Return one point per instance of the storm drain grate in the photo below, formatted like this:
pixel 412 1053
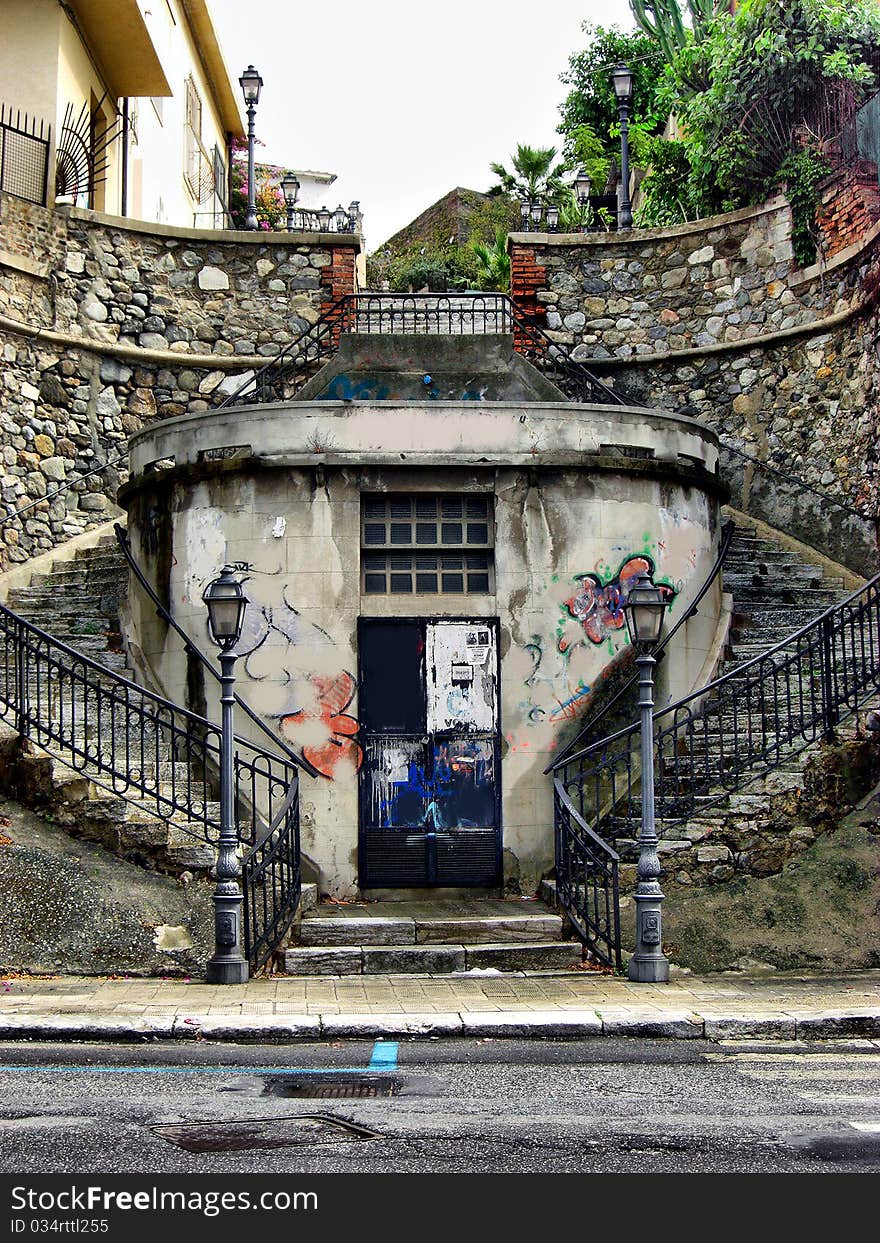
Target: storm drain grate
pixel 239 1134
pixel 333 1087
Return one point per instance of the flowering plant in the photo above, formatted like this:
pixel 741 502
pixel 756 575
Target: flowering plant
pixel 268 199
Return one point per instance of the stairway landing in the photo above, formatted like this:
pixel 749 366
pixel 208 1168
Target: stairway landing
pixel 432 936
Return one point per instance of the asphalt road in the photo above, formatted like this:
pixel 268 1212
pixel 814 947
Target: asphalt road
pixel 458 1106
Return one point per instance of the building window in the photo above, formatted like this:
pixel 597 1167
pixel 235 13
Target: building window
pixel 197 168
pixel 428 545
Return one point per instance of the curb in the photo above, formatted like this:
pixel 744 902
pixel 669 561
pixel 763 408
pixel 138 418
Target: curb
pixel 568 1025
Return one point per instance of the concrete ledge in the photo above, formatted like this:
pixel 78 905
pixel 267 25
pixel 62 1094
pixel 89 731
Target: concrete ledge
pixel 573 1024
pixel 361 1026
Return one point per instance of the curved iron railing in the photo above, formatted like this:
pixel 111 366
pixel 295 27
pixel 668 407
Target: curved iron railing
pixel 631 684
pixel 739 727
pixel 474 314
pixel 191 649
pixel 587 884
pixel 143 748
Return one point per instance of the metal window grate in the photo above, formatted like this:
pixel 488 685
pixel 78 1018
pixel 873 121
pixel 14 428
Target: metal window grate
pixel 420 528
pixel 24 156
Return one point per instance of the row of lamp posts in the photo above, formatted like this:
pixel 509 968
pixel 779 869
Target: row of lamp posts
pixel 532 211
pixel 346 221
pixel 644 609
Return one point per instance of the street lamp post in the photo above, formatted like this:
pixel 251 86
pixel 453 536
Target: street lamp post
pixel 622 80
pixel 251 83
pixel 582 186
pixel 644 610
pixel 290 190
pixel 226 608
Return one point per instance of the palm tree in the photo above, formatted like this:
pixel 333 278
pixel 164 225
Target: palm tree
pixel 534 175
pixel 494 263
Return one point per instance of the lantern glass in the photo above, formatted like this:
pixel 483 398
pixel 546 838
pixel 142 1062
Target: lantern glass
pixel 251 84
pixel 552 217
pixel 644 611
pixel 524 209
pixel 290 188
pixel 226 603
pixel 536 212
pixel 622 80
pixel 341 218
pixel 582 185
pixel 324 219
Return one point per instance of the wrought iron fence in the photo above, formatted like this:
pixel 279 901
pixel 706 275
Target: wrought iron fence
pixel 474 314
pixel 24 155
pixel 143 748
pixel 738 727
pixel 587 880
pixel 272 883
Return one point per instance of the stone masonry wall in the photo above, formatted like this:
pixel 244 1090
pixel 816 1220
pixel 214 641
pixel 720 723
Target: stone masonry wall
pixel 712 320
pixel 106 325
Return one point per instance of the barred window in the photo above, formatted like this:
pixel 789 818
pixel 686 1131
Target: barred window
pixel 425 544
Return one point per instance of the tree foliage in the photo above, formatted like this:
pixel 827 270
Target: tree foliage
pixel 589 114
pixel 775 79
pixel 534 174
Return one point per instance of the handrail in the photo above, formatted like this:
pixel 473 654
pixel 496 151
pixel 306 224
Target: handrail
pixel 797 482
pixel 260 382
pixel 561 357
pixel 50 677
pixel 703 692
pixel 587 879
pixel 727 534
pixel 190 648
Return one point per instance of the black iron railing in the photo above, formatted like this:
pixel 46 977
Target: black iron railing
pixel 24 155
pixel 272 883
pixel 737 728
pixel 586 880
pixel 475 314
pixel 143 748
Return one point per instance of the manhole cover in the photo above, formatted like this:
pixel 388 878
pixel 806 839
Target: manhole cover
pixel 335 1087
pixel 238 1135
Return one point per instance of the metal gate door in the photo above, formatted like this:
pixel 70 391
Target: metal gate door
pixel 429 782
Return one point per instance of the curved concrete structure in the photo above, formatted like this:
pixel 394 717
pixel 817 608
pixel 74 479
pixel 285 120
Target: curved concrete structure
pixel 576 497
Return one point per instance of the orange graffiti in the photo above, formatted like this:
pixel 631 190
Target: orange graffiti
pixel 334 693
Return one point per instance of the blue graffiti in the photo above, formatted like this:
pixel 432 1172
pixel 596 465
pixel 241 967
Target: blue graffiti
pixel 341 388
pixel 460 793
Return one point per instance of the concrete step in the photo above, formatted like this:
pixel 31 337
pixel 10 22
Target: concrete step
pixel 430 959
pixel 323 929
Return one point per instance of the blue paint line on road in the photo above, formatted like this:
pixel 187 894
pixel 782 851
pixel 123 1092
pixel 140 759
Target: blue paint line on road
pixel 384 1055
pixel 205 1070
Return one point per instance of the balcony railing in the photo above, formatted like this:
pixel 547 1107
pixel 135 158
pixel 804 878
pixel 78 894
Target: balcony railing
pixel 24 155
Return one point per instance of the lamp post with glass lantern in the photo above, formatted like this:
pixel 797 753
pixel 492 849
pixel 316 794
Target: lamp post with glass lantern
pixel 290 190
pixel 227 603
pixel 622 81
pixel 582 186
pixel 644 611
pixel 251 83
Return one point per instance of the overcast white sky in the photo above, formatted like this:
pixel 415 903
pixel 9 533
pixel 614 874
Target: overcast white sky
pixel 405 101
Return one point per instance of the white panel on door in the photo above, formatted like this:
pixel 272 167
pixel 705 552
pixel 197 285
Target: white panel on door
pixel 462 677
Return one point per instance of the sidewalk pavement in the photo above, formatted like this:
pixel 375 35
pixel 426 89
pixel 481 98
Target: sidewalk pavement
pixel 785 1006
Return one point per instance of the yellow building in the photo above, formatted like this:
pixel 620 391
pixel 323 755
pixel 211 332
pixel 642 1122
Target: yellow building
pixel 124 106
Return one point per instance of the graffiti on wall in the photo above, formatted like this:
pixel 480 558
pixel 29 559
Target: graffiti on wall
pixel 308 703
pixel 448 785
pixel 590 616
pixel 598 607
pixel 344 387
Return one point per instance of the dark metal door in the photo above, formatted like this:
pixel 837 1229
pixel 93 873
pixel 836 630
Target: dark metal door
pixel 429 782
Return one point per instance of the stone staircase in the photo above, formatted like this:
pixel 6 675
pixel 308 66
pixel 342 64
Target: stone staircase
pixel 77 601
pixel 756 830
pixel 432 936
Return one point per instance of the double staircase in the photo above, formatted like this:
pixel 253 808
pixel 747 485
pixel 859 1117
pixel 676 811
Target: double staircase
pixel 150 820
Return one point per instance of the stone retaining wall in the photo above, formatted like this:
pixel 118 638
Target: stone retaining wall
pixel 712 320
pixel 108 324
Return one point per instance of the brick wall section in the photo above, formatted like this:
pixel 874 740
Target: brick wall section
pixel 849 207
pixel 338 279
pixel 528 277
